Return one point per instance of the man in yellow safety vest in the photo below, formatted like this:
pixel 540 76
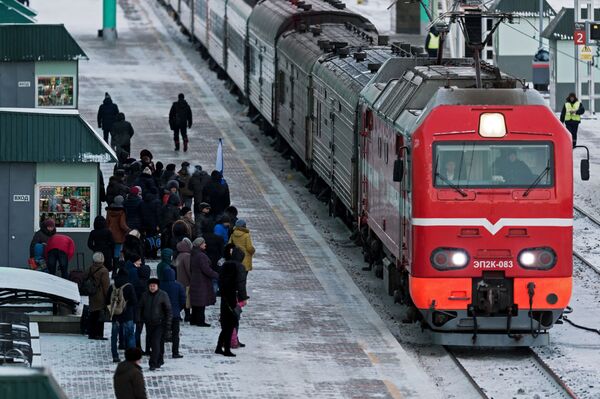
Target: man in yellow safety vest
pixel 432 42
pixel 571 115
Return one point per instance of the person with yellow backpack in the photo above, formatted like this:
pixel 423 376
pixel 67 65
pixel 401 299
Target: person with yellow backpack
pixel 571 115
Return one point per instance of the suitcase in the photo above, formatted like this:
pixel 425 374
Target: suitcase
pixel 78 274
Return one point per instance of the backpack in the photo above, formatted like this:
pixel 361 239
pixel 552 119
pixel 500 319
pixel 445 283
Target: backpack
pixel 89 286
pixel 117 301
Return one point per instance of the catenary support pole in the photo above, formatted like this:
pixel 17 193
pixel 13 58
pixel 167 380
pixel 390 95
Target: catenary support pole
pixel 109 20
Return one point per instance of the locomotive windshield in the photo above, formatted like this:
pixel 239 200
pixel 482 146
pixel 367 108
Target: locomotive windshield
pixel 480 164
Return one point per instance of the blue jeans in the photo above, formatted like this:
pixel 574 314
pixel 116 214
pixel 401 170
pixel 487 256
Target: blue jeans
pixel 128 334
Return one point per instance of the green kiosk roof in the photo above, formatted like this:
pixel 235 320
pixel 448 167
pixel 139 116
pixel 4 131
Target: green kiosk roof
pixel 10 15
pixel 30 383
pixel 35 42
pixel 49 135
pixel 23 9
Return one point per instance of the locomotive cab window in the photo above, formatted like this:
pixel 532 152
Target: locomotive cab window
pixel 478 164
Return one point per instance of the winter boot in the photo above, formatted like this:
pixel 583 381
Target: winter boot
pixel 185 145
pixel 176 145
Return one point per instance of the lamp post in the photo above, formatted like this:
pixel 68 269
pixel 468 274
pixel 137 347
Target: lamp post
pixel 109 20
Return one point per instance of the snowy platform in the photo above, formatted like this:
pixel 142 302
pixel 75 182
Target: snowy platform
pixel 309 330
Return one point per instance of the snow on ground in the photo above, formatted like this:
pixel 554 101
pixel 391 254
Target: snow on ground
pixel 376 10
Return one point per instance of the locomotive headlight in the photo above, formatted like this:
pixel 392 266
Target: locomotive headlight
pixel 527 258
pixel 449 258
pixel 460 259
pixel 492 124
pixel 537 258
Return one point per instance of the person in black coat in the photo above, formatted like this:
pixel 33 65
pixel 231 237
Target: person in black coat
pixel 146 181
pixel 149 212
pixel 121 133
pixel 216 193
pixel 229 319
pixel 115 187
pixel 155 311
pixel 180 119
pixel 169 214
pixel 196 184
pixel 133 208
pixel 107 115
pixel 177 296
pixel 101 240
pixel 125 319
pixel 133 248
pixel 168 175
pixel 214 246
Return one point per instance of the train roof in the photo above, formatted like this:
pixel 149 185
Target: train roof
pixel 349 75
pixel 405 90
pixel 306 46
pixel 270 18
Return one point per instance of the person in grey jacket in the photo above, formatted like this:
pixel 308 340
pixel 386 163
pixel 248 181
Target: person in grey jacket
pixel 155 312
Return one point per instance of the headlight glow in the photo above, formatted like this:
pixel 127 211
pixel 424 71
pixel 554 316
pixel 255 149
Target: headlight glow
pixel 527 258
pixel 449 258
pixel 492 124
pixel 459 259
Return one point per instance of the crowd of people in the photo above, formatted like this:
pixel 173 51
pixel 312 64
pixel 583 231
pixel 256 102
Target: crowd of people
pixel 182 217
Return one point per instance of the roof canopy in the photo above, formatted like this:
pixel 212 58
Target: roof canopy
pixel 561 27
pixel 40 135
pixel 523 8
pixel 10 15
pixel 17 5
pixel 35 42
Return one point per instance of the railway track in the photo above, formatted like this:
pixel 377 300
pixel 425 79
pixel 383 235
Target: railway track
pixel 578 214
pixel 519 372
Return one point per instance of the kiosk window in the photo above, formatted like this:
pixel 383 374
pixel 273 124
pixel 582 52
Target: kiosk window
pixel 69 205
pixel 55 91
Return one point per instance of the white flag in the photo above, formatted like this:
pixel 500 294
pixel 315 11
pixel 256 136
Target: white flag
pixel 219 163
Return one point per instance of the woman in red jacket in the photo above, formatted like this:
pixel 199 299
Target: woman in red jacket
pixel 60 249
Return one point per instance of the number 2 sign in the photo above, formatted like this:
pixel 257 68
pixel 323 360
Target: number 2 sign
pixel 579 36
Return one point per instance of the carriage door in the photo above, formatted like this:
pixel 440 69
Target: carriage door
pixel 292 98
pixel 405 204
pixel 332 109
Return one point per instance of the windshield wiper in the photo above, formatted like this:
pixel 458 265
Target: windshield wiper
pixel 537 180
pixel 449 184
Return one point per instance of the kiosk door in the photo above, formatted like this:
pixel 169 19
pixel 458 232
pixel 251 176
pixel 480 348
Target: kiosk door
pixel 17 204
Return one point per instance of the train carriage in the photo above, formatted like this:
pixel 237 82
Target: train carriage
pixel 216 31
pixel 238 12
pixel 297 53
pixel 200 21
pixel 476 209
pixel 186 19
pixel 337 84
pixel 271 18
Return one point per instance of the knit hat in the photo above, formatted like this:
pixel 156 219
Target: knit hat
pixel 134 233
pixel 49 223
pixel 204 205
pixel 147 171
pixel 198 168
pixel 172 184
pixel 185 164
pixel 198 241
pixel 106 95
pixel 184 211
pixel 98 257
pixel 134 190
pixel 180 96
pixel 240 223
pixel 133 354
pixel 118 202
pixel 153 280
pixel 171 166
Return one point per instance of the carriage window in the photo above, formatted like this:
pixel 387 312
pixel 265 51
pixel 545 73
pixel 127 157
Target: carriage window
pixel 477 164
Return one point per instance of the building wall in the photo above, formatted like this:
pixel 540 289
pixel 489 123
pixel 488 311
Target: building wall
pixel 58 69
pixel 85 173
pixel 17 84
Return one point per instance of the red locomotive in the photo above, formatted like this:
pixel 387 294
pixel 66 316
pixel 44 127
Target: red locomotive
pixel 470 191
pixel 461 182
